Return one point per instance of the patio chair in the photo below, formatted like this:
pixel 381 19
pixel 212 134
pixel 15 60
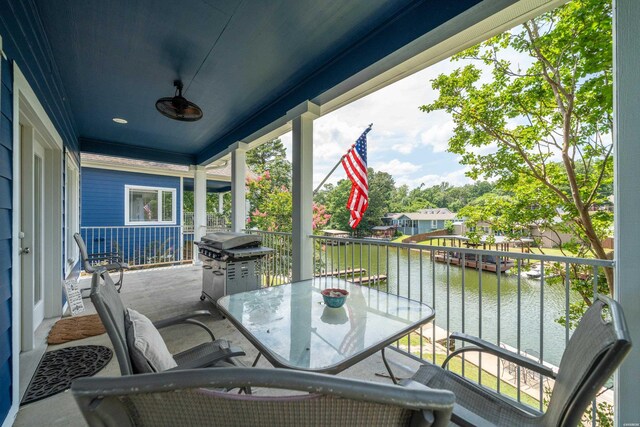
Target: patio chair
pixel 507 365
pixel 186 398
pixel 112 312
pixel 595 350
pixel 110 261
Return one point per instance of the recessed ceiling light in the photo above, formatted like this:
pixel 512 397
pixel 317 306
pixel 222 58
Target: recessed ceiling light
pixel 119 120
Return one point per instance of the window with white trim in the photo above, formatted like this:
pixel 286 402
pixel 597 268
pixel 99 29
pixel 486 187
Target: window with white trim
pixel 434 223
pixel 72 210
pixel 149 205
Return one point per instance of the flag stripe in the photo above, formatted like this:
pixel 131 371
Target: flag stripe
pixel 355 165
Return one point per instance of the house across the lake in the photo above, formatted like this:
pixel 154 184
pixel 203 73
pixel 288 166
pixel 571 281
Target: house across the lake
pixel 423 221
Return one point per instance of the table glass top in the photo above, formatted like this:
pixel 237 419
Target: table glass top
pixel 293 327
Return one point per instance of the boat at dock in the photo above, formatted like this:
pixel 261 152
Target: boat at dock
pixel 489 263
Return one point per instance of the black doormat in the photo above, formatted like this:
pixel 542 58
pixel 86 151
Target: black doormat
pixel 59 368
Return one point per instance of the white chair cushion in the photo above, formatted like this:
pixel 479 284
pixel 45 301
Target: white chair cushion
pixel 146 345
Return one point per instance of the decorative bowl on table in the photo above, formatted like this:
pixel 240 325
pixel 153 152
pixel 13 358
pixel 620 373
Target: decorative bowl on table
pixel 334 297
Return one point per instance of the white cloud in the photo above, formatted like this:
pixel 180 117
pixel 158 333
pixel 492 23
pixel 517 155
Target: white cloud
pixel 437 136
pixel 456 177
pixel 405 142
pixel 397 168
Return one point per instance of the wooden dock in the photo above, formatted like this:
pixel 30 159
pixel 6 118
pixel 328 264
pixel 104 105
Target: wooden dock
pixel 346 272
pixel 365 280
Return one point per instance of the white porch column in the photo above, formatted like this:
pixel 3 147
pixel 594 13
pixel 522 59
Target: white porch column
pixel 199 206
pixel 238 190
pixel 626 132
pixel 302 192
pixel 220 203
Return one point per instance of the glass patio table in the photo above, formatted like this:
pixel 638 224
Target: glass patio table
pixel 292 327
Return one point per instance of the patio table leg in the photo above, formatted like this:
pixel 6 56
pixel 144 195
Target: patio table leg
pixel 386 365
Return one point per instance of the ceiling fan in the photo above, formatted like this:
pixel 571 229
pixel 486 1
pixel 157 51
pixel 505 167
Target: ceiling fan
pixel 177 107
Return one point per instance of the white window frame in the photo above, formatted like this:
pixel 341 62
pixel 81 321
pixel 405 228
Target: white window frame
pixel 129 188
pixel 434 223
pixel 72 211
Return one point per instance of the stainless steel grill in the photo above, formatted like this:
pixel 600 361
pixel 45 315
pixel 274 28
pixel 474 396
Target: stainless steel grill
pixel 231 263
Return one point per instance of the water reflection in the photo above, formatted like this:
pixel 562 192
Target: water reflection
pixel 474 300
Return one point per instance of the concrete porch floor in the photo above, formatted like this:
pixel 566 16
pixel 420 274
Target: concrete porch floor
pixel 162 293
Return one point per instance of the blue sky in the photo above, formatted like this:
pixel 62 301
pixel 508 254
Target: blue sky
pixel 405 142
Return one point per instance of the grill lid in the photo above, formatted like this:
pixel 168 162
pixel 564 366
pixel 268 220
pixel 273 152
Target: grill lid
pixel 224 240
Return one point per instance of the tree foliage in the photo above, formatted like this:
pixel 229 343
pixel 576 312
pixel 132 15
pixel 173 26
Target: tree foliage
pixel 381 190
pixel 271 206
pixel 272 157
pixel 544 132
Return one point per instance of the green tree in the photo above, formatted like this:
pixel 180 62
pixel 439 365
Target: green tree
pixel 271 206
pixel 336 200
pixel 381 189
pixel 271 156
pixel 212 203
pixel 545 129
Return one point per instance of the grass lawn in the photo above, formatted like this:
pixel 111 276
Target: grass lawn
pixel 471 372
pixel 546 251
pixel 400 239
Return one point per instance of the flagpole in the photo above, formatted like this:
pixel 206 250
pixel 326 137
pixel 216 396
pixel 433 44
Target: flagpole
pixel 337 164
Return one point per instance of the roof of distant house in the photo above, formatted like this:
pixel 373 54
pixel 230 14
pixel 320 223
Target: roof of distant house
pixel 432 214
pixel 383 227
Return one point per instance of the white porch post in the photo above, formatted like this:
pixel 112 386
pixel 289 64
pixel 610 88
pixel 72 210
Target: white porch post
pixel 220 203
pixel 302 194
pixel 199 206
pixel 626 132
pixel 238 190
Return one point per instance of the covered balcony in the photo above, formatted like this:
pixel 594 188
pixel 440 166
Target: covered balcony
pixel 84 78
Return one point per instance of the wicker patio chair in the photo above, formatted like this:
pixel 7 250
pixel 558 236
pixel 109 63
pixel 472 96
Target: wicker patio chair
pixel 110 261
pixel 112 312
pixel 595 350
pixel 187 399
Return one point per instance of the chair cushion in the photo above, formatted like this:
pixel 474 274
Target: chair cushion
pixel 147 349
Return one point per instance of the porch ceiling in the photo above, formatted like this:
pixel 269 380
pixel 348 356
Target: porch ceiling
pixel 246 63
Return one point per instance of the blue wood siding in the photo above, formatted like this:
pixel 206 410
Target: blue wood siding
pixel 6 176
pixel 103 194
pixel 25 42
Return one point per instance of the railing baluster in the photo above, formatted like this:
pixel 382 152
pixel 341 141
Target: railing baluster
pixel 447 343
pixel 433 305
pixel 499 316
pixel 479 315
pixel 518 322
pixel 397 270
pixel 421 300
pixel 464 274
pixel 566 302
pixel 541 345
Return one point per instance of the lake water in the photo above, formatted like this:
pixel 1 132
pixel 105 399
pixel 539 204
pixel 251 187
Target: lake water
pixel 483 299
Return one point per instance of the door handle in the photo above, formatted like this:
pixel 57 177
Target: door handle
pixel 24 251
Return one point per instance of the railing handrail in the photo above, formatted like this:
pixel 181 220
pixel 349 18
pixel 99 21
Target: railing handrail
pixel 517 255
pixel 89 227
pixel 273 233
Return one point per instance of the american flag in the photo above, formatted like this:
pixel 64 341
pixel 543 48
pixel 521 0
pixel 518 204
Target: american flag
pixel 355 164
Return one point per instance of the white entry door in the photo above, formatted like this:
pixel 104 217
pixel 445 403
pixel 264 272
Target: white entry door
pixel 32 251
